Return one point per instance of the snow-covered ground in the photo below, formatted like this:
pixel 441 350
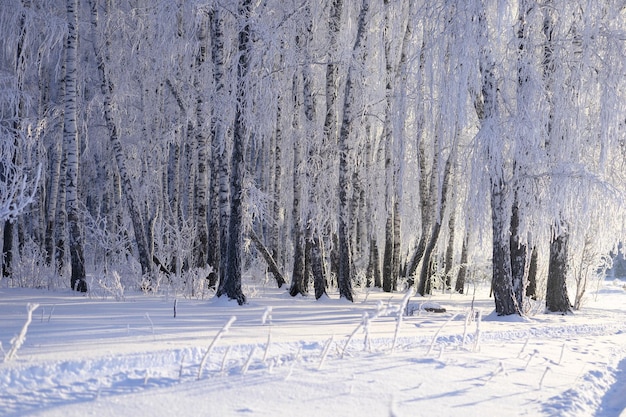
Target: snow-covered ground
pixel 284 356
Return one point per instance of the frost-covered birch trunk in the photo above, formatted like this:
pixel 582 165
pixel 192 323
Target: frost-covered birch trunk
pixel 519 253
pixel 316 154
pixel 231 286
pixel 201 247
pixel 299 277
pixel 351 111
pixel 449 256
pixel 53 195
pixel 307 257
pixel 557 298
pixel 331 118
pixel 220 149
pixel 424 284
pixel 492 141
pixel 423 185
pixel 392 135
pixel 71 144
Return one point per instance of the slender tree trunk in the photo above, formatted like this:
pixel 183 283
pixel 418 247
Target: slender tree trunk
pixel 424 281
pixel 202 176
pixel 395 75
pixel 331 119
pixel 60 232
pixel 221 149
pixel 531 288
pixel 449 257
pixel 344 273
pixel 53 194
pixel 220 173
pixel 315 255
pixel 299 277
pixel 7 248
pixel 518 249
pixel 459 286
pixel 231 287
pixel 70 138
pixel 518 255
pixel 332 72
pixel 425 210
pixel 273 267
pixel 275 227
pixel 311 254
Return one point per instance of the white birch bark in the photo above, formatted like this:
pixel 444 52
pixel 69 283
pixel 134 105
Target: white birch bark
pixel 220 147
pixel 70 139
pixel 201 131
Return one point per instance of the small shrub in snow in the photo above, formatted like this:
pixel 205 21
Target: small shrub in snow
pixel 111 285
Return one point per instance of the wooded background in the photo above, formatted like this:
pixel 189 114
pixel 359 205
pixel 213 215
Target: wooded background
pixel 343 143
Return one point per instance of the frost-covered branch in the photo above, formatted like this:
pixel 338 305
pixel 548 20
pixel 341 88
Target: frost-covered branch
pixel 19 340
pixel 17 187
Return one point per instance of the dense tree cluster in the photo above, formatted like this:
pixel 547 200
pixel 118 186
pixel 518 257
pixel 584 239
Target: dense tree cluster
pixel 364 143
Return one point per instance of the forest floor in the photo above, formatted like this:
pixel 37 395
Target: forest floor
pixel 282 356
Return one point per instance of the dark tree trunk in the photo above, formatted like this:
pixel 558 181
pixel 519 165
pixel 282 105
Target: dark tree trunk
pixel 231 286
pixel 7 248
pixel 531 288
pixel 424 281
pixel 518 256
pixel 314 255
pixel 344 249
pixel 271 263
pixel 424 284
pixel 557 299
pixel 487 111
pixel 459 286
pixel 449 258
pixel 373 266
pixel 389 257
pixel 417 256
pixel 501 256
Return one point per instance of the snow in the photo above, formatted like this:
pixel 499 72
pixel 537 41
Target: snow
pixel 284 356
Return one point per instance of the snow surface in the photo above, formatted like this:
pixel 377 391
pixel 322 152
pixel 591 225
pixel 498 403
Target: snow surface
pixel 284 356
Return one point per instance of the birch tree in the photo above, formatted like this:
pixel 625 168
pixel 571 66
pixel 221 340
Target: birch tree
pixel 220 211
pixel 557 298
pixel 392 137
pixel 231 285
pixel 71 145
pixel 303 129
pixel 492 149
pixel 202 148
pixel 345 147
